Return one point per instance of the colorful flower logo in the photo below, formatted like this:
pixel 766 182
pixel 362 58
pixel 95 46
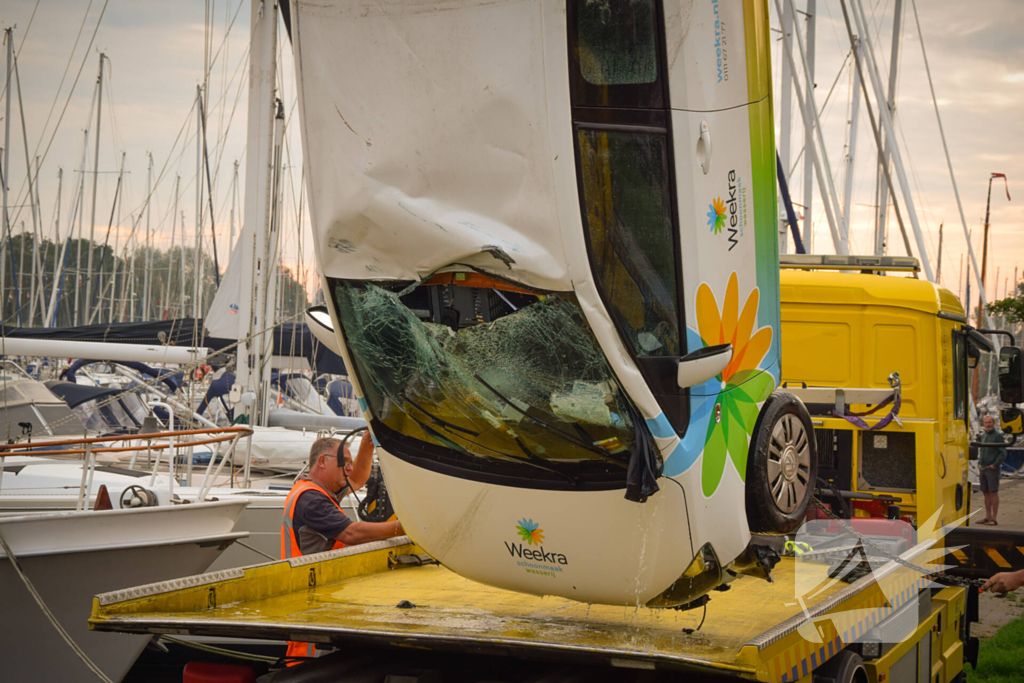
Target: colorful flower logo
pixel 741 386
pixel 530 531
pixel 716 216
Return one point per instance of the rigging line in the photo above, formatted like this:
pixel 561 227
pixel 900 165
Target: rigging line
pixel 221 145
pixel 922 199
pixel 170 153
pixel 117 142
pixel 24 36
pixel 238 69
pixel 19 195
pixel 66 103
pixel 209 193
pixel 75 648
pixel 821 110
pixel 67 66
pixel 213 61
pixel 106 241
pixel 10 252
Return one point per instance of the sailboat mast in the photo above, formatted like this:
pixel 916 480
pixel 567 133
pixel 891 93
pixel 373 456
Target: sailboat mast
pixel 811 33
pixel 170 252
pixel 182 278
pixel 883 190
pixel 145 310
pixel 133 246
pixel 58 264
pixel 268 302
pixel 31 199
pixel 5 238
pixel 198 255
pixel 95 178
pixel 258 189
pixel 81 218
pixel 851 152
pixel 41 249
pixel 785 114
pixel 117 243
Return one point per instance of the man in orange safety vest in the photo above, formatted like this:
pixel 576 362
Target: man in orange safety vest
pixel 313 520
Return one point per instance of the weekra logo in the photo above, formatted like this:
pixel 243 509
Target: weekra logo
pixel 530 532
pixel 716 215
pixel 532 535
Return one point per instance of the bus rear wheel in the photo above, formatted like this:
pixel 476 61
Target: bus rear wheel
pixel 782 465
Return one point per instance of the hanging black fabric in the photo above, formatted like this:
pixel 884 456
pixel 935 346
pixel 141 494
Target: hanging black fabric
pixel 644 464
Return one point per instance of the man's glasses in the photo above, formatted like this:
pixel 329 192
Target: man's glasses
pixel 343 462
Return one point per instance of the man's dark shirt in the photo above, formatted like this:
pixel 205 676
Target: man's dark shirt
pixel 317 522
pixel 991 456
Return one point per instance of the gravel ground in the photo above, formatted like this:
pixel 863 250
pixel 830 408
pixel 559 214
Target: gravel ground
pixel 996 611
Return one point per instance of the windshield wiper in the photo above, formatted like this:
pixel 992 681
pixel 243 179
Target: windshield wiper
pixel 531 458
pixel 535 460
pixel 438 421
pixel 555 430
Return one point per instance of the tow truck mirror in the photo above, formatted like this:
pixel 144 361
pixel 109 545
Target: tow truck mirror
pixel 973 356
pixel 1011 379
pixel 703 364
pixel 1011 421
pixel 980 340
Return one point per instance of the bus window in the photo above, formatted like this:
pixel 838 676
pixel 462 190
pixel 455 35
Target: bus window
pixel 624 176
pixel 615 54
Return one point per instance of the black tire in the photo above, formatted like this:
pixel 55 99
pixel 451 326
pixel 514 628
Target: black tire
pixel 845 667
pixel 782 465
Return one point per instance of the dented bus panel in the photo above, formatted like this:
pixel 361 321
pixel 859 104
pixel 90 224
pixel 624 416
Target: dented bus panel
pixel 547 234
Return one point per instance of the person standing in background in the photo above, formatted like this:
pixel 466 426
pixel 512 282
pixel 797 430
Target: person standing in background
pixel 990 460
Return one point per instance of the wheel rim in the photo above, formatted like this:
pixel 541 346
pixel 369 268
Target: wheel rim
pixel 789 463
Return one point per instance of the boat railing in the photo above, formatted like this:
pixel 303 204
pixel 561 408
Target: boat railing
pixel 222 437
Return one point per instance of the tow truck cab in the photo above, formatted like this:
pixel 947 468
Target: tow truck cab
pixel 852 330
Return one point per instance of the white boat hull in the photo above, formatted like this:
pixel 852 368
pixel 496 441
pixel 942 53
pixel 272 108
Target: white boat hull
pixel 71 557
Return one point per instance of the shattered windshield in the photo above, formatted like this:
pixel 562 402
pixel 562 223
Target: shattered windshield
pixel 488 380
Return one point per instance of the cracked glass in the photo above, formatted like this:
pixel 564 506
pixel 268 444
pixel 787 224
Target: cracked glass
pixel 514 384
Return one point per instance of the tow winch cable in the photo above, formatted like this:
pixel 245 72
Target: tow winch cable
pixel 212 649
pixel 49 615
pixel 258 551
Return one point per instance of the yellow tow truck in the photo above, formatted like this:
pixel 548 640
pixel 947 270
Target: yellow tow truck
pixel 391 610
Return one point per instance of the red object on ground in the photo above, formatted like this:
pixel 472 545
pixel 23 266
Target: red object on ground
pixel 205 672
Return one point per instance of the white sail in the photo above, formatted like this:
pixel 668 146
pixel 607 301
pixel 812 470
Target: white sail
pixel 231 309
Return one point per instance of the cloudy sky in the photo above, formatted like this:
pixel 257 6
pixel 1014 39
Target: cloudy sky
pixel 156 59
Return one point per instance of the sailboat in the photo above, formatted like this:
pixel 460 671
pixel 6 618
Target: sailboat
pixel 67 557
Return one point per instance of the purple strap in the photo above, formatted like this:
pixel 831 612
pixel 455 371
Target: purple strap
pixel 855 418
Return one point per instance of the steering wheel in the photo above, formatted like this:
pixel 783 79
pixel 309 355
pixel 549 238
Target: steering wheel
pixel 136 496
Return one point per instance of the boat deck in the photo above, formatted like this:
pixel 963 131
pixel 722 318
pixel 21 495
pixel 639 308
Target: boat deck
pixel 350 595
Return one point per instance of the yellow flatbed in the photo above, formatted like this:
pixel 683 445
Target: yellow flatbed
pixel 351 595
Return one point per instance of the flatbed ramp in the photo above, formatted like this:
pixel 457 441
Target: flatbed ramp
pixel 353 595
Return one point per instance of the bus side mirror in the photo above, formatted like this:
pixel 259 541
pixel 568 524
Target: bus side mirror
pixel 703 364
pixel 1011 379
pixel 1011 421
pixel 319 321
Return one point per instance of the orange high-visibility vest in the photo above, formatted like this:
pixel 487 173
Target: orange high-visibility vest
pixel 289 536
pixel 290 548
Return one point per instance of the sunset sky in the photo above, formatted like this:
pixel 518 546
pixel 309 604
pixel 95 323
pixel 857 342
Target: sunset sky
pixel 156 53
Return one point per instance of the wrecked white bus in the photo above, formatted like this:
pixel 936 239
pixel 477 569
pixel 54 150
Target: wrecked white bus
pixel 547 232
